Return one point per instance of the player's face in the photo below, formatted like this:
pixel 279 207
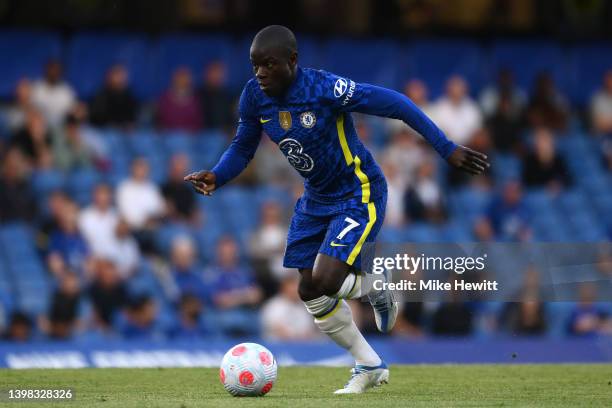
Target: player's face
pixel 273 70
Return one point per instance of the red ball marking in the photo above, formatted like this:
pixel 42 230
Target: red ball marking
pixel 222 376
pixel 266 388
pixel 265 358
pixel 246 378
pixel 238 351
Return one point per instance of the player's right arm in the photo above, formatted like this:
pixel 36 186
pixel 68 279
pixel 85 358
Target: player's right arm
pixel 238 155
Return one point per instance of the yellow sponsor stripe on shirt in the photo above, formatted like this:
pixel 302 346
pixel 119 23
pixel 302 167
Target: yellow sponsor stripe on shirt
pixel 348 157
pixel 342 136
pixel 371 220
pixel 363 179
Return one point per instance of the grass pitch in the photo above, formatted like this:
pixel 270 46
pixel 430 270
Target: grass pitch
pixel 414 386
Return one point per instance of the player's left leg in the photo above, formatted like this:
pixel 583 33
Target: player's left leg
pixel 333 316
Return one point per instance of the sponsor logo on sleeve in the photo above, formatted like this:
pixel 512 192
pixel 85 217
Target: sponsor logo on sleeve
pixel 340 87
pixel 349 94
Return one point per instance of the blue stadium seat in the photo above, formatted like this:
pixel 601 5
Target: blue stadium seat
pixel 47 181
pixel 81 183
pixel 526 59
pixel 362 60
pixel 434 61
pixel 420 232
pixel 177 142
pixel 16 63
pixel 588 64
pixel 90 55
pixel 168 232
pixel 192 51
pixel 506 168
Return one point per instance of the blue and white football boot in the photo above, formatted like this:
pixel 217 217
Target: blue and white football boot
pixel 384 305
pixel 363 378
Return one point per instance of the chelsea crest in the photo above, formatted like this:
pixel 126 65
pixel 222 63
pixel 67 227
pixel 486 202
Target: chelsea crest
pixel 308 119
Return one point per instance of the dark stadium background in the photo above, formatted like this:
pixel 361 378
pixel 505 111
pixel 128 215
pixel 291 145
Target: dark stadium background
pixel 200 273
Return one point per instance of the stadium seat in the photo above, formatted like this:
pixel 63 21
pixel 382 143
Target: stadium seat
pixel 189 50
pixel 588 64
pixel 362 60
pixel 434 61
pixel 527 59
pixel 47 181
pixel 41 47
pixel 90 55
pixel 81 183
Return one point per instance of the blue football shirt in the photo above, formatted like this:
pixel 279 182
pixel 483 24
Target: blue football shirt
pixel 313 127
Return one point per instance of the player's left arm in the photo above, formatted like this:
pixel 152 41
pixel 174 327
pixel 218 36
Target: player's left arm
pixel 375 100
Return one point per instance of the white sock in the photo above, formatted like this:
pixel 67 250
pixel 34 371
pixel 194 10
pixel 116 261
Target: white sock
pixel 334 318
pixel 356 285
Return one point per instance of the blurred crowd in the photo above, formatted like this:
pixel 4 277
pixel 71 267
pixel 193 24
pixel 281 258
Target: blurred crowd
pixel 94 250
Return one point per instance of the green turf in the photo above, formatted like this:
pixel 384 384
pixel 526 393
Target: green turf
pixel 415 386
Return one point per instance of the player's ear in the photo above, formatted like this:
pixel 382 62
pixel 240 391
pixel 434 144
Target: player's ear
pixel 293 58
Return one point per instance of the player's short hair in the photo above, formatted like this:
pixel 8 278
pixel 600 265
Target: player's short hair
pixel 276 36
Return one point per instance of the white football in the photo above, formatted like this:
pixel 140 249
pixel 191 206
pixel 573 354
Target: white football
pixel 248 370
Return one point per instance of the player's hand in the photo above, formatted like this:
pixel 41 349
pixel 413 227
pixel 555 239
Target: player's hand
pixel 468 160
pixel 203 182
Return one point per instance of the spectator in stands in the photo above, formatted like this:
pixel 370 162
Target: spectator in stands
pixel 52 96
pixel 234 291
pixel 528 316
pixel 410 321
pixel 543 167
pixel 424 199
pixel 547 106
pixel 184 269
pixel 283 317
pixel 406 153
pixel 483 230
pixel 189 324
pixel 72 149
pixel 601 107
pixel 179 196
pixel 99 220
pixel 68 250
pixel 601 118
pixel 588 319
pixel 267 243
pixel 107 291
pixel 19 328
pixel 56 200
pixel 16 197
pixel 114 104
pixel 215 98
pixel 34 140
pixel 139 318
pixel 17 200
pixel 179 107
pixel 508 215
pixel 396 191
pixel 456 113
pixel 62 317
pixel 139 200
pixel 505 89
pixel 453 317
pixel 16 113
pixel 505 125
pixel 125 252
